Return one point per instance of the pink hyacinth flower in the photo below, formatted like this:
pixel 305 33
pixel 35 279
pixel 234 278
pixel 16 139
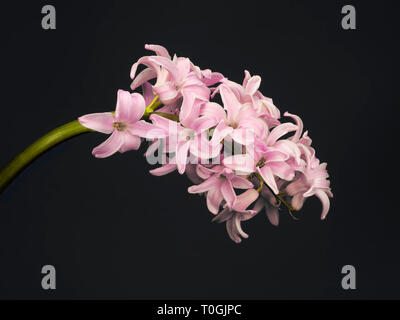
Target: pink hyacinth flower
pixel 238 213
pixel 268 158
pixel 248 93
pixel 174 76
pixel 219 184
pixel 189 136
pixel 313 180
pixel 125 125
pixel 240 121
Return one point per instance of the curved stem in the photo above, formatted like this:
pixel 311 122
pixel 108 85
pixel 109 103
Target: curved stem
pixel 49 140
pixel 54 137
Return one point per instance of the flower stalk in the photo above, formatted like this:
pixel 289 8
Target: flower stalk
pixel 54 137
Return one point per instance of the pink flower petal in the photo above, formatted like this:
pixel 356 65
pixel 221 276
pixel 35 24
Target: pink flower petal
pixel 213 109
pixel 199 90
pixel 202 148
pixel 101 122
pixel 230 228
pixel 110 146
pixel 240 162
pixel 182 155
pixel 206 185
pixel 189 111
pixel 153 147
pixel 196 70
pixel 246 79
pixel 191 173
pixel 310 192
pixel 289 148
pixel 203 123
pixel 268 176
pixel 167 64
pixel 252 85
pixel 231 104
pixel 280 131
pixel 245 199
pixel 148 95
pixel 228 193
pixel 220 132
pixel 321 195
pixel 183 66
pixel 241 183
pixel 204 172
pixel 299 124
pixel 260 204
pixel 165 169
pixel 306 140
pixel 282 170
pixel 131 142
pixel 272 214
pixel 159 50
pixel 274 155
pixel 238 227
pixel 269 196
pixel 166 92
pixel 212 79
pixel 223 216
pixel 146 130
pixel 243 136
pixel 130 107
pixel 297 186
pixel 297 201
pixel 144 76
pixel 246 214
pixel 134 69
pixel 214 199
pixel 143 60
pixel 257 126
pixel 164 124
pixel 321 183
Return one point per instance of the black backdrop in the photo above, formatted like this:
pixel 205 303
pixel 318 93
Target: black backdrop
pixel 114 231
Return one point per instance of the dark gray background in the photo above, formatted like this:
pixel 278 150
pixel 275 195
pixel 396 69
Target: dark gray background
pixel 114 231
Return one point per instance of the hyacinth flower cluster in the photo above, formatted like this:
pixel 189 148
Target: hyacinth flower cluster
pixel 228 138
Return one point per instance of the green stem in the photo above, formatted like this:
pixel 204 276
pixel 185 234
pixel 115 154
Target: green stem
pixel 154 105
pixel 54 137
pixel 169 116
pixel 60 134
